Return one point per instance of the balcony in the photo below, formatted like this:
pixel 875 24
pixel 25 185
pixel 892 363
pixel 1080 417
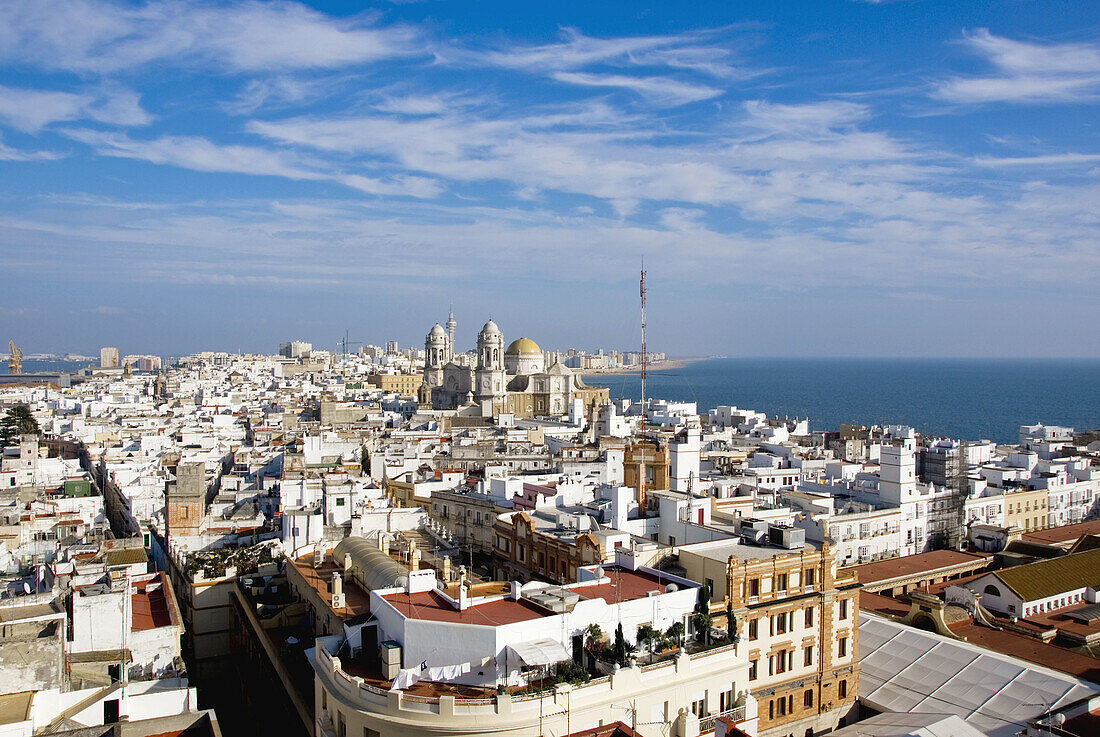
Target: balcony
pixel 706 724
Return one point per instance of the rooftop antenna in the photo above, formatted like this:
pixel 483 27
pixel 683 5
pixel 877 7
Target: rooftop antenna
pixel 641 495
pixel 644 357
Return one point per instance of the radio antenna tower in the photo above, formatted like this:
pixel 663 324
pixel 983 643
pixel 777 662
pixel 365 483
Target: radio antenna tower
pixel 645 357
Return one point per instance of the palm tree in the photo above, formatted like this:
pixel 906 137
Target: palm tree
pixel 18 421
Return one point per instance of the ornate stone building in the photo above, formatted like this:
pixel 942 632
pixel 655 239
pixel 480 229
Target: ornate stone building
pixel 512 380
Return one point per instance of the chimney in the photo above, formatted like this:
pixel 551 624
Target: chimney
pixel 514 589
pixel 347 563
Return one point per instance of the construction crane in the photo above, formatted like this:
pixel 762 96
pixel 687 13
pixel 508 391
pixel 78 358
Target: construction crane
pixel 15 358
pixel 345 343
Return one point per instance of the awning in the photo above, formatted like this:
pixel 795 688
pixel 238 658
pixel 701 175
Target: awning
pixel 540 652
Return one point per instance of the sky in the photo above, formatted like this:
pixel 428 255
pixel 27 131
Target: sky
pixel 828 178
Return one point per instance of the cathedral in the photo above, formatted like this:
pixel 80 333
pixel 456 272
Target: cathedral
pixel 512 380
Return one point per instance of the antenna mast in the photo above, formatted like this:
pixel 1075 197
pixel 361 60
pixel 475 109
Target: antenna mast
pixel 644 354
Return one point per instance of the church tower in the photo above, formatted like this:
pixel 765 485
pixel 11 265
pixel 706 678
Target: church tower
pixel 436 356
pixel 489 377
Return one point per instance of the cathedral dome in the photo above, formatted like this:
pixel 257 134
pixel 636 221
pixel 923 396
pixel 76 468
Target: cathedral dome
pixel 490 328
pixel 523 347
pixel 437 331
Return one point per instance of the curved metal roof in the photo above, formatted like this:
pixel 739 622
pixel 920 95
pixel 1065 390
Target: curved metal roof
pixel 370 566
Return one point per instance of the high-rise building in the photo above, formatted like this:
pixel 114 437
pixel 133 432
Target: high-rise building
pixel 108 357
pixel 295 349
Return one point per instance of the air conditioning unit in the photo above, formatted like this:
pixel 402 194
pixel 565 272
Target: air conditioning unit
pixel 338 601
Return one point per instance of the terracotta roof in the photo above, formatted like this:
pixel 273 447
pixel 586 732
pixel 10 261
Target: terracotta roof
pixel 912 565
pixel 1047 578
pixel 1064 534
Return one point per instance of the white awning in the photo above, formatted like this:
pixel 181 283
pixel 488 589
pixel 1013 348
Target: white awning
pixel 540 652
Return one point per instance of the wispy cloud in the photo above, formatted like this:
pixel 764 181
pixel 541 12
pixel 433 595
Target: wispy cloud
pixel 31 110
pixel 660 90
pixel 1027 72
pixel 1066 159
pixel 7 153
pixel 103 37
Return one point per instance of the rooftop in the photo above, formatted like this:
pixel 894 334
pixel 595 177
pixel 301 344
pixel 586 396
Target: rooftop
pixel 721 550
pixel 909 565
pixel 1065 533
pixel 356 600
pixel 153 605
pixel 1051 577
pixel 623 585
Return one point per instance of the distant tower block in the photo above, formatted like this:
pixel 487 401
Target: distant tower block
pixel 108 357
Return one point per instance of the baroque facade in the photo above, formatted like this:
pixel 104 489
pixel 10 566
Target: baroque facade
pixel 513 380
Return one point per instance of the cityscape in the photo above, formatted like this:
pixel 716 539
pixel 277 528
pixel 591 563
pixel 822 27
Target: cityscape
pixel 417 367
pixel 461 539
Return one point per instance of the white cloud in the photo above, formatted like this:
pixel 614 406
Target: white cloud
pixel 1067 159
pixel 660 90
pixel 7 153
pixel 31 110
pixel 1028 72
pixel 103 37
pixel 196 153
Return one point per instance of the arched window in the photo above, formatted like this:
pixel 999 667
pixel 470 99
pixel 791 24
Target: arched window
pixel 992 590
pixel 496 355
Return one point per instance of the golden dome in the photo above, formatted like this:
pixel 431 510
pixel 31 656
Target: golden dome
pixel 523 347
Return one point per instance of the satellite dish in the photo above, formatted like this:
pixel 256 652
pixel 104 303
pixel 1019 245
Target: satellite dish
pixel 671 587
pixel 403 581
pixel 598 571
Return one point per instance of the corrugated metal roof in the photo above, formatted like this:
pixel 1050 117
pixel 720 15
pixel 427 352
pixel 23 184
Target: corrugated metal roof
pixel 125 557
pixel 1048 578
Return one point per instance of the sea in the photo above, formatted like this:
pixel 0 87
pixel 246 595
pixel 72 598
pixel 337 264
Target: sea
pixel 968 399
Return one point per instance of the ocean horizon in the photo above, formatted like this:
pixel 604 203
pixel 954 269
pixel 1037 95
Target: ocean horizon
pixel 971 398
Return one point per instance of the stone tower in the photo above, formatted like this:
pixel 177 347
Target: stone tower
pixel 185 501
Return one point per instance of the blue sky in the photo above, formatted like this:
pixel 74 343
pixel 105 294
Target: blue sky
pixel 820 178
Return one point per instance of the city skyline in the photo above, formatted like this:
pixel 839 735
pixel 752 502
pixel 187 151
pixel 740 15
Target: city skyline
pixel 861 179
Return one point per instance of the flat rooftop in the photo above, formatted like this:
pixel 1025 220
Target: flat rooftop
pixel 356 600
pixel 912 565
pixel 721 550
pixel 152 606
pixel 623 585
pixel 1065 533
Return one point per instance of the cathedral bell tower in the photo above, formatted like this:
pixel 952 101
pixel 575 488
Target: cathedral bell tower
pixel 489 377
pixel 436 356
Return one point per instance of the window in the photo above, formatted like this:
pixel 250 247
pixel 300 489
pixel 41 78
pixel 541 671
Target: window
pixel 781 706
pixel 368 732
pixel 808 576
pixel 809 616
pixel 697 708
pixel 843 608
pixel 842 689
pixel 808 655
pixel 752 670
pixel 754 588
pixel 782 582
pixel 324 699
pixel 725 700
pixel 808 698
pixel 340 501
pixel 842 647
pixel 754 629
pixel 992 590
